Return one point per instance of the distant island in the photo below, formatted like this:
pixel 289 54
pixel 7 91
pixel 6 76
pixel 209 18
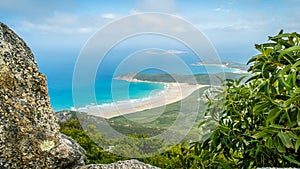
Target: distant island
pixel 201 79
pixel 238 67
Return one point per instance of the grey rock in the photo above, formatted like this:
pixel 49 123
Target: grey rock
pixel 276 168
pixel 65 115
pixel 128 164
pixel 29 130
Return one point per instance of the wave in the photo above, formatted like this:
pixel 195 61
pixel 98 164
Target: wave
pixel 120 103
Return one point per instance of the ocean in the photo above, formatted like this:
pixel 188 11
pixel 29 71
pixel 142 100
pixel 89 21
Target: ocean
pixel 59 74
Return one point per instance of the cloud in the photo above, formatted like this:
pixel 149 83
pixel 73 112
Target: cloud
pixel 176 52
pixel 55 29
pixel 109 16
pixel 158 52
pixel 69 23
pixel 221 10
pixel 217 9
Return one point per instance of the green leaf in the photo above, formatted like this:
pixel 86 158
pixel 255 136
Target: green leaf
pixel 277 126
pixel 273 114
pixel 291 100
pixel 288 50
pixel 285 140
pixel 252 59
pixel 269 142
pixel 257 151
pixel 291 159
pixel 297 144
pixel 253 78
pixel 278 144
pixel 297 91
pixel 269 130
pixel 296 64
pixel 261 135
pixel 282 78
pixel 298 118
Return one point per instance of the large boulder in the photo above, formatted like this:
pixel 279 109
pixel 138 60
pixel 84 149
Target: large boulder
pixel 29 132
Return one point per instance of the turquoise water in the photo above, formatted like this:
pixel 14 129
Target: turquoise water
pixel 61 98
pixel 59 79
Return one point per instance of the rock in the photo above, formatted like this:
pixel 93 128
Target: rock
pixel 65 115
pixel 29 130
pixel 128 164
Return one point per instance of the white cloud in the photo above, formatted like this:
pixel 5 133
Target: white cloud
pixel 109 16
pixel 59 23
pixel 85 30
pixel 171 51
pixel 63 19
pixel 55 29
pixel 217 9
pixel 221 10
pixel 176 52
pixel 43 27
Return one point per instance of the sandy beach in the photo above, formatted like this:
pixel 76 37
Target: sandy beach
pixel 173 92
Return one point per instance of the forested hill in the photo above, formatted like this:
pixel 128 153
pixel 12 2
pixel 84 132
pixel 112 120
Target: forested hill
pixel 204 79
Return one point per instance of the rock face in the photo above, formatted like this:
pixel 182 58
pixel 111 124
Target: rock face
pixel 29 132
pixel 128 164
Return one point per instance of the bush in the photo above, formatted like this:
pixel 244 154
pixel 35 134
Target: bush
pixel 259 120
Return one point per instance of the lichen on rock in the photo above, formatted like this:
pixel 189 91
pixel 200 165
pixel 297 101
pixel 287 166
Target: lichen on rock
pixel 47 145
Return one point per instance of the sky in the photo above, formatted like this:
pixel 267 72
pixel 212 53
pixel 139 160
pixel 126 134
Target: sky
pixel 54 28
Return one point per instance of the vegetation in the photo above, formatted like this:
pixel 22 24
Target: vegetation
pixel 96 154
pixel 250 122
pixel 203 79
pixel 157 120
pixel 258 122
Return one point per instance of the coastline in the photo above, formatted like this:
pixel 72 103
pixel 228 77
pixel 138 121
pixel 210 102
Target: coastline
pixel 235 70
pixel 173 92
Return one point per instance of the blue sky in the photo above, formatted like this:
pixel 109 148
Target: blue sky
pixel 232 26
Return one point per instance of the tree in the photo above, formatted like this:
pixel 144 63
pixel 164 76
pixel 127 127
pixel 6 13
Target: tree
pixel 259 122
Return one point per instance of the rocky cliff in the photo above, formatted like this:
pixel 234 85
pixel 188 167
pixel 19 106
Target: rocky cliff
pixel 29 132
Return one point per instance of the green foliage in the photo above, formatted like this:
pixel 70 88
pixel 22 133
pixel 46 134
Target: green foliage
pixel 258 122
pixel 94 153
pixel 169 159
pixel 153 121
pixel 204 79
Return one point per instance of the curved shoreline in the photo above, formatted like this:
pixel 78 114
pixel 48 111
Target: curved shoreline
pixel 172 93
